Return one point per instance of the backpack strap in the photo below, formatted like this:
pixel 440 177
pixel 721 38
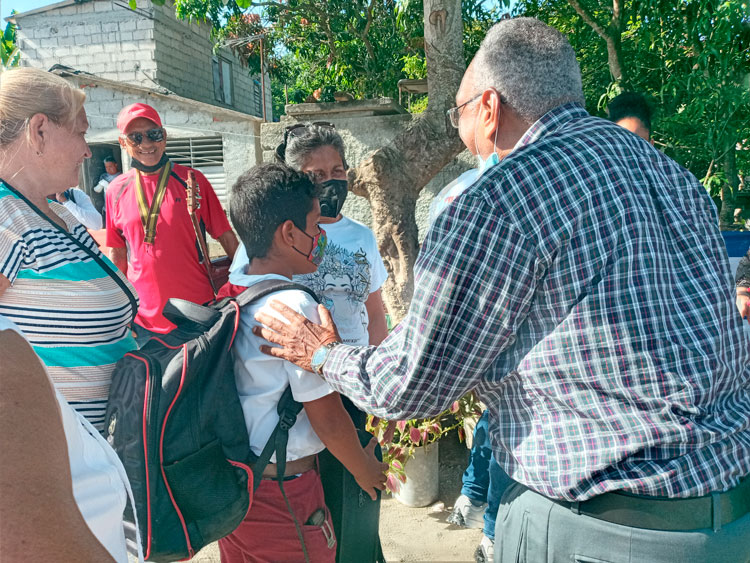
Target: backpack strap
pixel 266 287
pixel 288 410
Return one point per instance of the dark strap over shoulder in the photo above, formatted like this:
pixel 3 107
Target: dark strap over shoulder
pixel 288 410
pixel 266 287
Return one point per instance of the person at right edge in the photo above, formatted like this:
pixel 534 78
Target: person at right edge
pixel 582 286
pixel 742 281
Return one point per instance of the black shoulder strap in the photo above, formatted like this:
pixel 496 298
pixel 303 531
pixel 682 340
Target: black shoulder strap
pixel 176 177
pixel 266 287
pixel 288 410
pixel 98 259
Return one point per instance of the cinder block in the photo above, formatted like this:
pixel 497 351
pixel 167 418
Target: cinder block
pixel 128 25
pixel 141 34
pixel 126 36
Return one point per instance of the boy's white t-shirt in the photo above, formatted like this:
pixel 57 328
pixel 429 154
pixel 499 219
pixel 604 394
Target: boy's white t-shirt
pixel 261 379
pixel 351 270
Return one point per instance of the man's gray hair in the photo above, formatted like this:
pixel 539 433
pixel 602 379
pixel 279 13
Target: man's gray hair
pixel 314 137
pixel 532 65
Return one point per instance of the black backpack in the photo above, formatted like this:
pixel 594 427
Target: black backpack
pixel 175 420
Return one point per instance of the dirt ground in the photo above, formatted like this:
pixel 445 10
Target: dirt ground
pixel 418 534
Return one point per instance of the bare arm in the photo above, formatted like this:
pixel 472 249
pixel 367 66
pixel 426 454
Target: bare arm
pixel 4 284
pixel 229 243
pixel 378 329
pixel 39 517
pixel 743 302
pixel 119 257
pixel 334 427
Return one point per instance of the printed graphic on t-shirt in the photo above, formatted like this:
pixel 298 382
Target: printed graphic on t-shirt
pixel 343 284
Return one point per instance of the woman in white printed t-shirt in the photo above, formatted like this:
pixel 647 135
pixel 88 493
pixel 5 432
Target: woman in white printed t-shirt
pixel 56 503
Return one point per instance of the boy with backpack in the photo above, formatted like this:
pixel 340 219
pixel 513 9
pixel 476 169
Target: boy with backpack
pixel 276 212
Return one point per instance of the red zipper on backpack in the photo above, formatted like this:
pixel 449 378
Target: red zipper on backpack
pixel 145 452
pixel 191 552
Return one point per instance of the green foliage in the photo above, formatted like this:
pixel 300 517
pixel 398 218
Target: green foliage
pixel 690 58
pixel 9 55
pixel 417 432
pixel 317 47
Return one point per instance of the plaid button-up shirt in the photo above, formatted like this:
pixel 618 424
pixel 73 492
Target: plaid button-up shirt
pixel 582 287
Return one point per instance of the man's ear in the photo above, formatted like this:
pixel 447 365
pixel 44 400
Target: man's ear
pixel 121 140
pixel 490 108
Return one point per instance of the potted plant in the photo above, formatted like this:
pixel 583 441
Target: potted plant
pixel 412 454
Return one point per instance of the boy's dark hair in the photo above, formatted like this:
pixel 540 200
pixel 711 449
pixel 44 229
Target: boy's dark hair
pixel 630 104
pixel 263 198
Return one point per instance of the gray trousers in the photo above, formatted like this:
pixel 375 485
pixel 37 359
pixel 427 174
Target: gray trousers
pixel 532 529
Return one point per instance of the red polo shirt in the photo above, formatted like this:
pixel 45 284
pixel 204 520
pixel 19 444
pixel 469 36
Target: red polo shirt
pixel 169 267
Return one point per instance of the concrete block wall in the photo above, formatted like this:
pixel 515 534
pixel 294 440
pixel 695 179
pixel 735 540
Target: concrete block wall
pixel 96 37
pixel 361 136
pixel 187 70
pixel 148 47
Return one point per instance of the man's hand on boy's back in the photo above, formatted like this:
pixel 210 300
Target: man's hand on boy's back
pixel 300 338
pixel 334 427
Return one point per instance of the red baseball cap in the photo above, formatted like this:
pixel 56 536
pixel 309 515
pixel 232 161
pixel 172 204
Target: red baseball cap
pixel 134 111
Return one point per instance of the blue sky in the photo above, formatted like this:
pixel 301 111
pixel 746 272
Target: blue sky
pixel 22 6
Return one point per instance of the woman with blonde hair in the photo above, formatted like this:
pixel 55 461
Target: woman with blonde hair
pixel 67 298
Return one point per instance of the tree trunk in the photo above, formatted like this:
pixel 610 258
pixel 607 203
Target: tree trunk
pixel 729 189
pixel 614 57
pixel 392 177
pixel 612 35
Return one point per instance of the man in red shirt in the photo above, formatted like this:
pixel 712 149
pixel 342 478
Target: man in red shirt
pixel 149 229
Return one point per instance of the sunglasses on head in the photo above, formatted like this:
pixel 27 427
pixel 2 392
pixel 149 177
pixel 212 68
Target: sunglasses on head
pixel 300 129
pixel 155 135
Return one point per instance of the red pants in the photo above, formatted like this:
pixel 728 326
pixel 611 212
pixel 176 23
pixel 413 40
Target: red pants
pixel 267 534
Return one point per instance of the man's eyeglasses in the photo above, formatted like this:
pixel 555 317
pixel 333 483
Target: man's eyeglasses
pixel 300 129
pixel 454 114
pixel 155 135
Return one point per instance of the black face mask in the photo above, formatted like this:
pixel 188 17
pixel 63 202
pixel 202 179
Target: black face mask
pixel 332 197
pixel 135 163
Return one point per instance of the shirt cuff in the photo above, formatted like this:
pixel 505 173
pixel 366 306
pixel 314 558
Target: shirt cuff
pixel 336 360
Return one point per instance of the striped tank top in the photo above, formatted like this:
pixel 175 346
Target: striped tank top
pixel 73 313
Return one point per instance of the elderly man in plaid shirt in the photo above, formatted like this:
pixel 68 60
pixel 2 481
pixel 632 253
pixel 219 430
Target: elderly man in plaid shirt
pixel 581 285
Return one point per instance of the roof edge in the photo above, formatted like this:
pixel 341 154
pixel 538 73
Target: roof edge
pixel 84 78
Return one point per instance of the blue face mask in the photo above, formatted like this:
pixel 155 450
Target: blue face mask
pixel 484 164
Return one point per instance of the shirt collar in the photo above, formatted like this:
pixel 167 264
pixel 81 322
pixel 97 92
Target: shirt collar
pixel 549 122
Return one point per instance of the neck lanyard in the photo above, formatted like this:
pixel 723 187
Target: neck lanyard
pixel 150 215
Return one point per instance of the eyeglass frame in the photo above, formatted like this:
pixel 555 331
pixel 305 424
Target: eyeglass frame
pixel 457 110
pixel 454 113
pixel 149 134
